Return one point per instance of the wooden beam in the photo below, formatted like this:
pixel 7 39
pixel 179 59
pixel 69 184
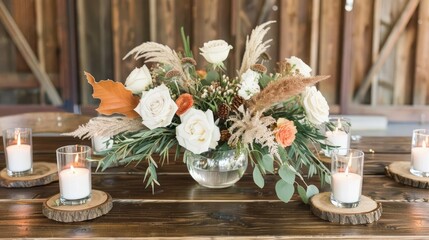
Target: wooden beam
pixel 66 20
pixel 346 63
pixel 387 48
pixel 6 110
pixel 28 54
pixel 23 80
pixel 407 113
pixel 329 57
pixel 314 44
pixel 422 55
pixel 375 48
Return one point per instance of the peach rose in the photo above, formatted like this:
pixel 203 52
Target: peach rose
pixel 184 102
pixel 285 132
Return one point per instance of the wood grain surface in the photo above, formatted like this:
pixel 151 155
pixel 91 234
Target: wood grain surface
pixel 180 208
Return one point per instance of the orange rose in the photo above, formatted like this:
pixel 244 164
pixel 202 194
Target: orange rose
pixel 285 132
pixel 184 102
pixel 202 74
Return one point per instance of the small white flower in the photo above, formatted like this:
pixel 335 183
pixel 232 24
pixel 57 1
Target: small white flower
pixel 156 107
pixel 198 131
pixel 139 80
pixel 249 84
pixel 297 63
pixel 315 105
pixel 215 51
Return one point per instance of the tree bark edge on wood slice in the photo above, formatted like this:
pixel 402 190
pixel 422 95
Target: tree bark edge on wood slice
pixel 99 205
pixel 366 212
pixel 400 172
pixel 43 173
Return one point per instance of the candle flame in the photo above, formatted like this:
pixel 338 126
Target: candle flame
pixel 72 168
pixel 349 164
pixel 424 144
pixel 19 139
pixel 339 125
pixel 76 159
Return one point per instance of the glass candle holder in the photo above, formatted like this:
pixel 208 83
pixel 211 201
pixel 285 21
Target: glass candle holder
pixel 74 171
pixel 101 144
pixel 420 153
pixel 337 133
pixel 18 149
pixel 346 177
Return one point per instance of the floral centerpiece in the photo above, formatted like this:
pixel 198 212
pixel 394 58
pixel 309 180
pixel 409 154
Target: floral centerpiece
pixel 272 117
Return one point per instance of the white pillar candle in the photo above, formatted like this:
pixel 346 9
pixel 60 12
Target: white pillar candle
pixel 420 158
pixel 75 183
pixel 338 138
pixel 99 143
pixel 346 188
pixel 19 157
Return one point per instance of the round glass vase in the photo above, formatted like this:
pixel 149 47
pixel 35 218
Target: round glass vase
pixel 216 169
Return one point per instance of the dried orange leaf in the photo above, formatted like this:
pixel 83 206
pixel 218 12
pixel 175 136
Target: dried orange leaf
pixel 115 98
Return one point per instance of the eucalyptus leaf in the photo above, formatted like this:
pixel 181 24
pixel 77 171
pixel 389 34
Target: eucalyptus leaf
pixel 287 174
pixel 264 80
pixel 282 153
pixel 211 76
pixel 303 194
pixel 257 177
pixel 284 190
pixel 312 190
pixel 268 162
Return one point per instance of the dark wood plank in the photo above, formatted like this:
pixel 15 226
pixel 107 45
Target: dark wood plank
pixel 203 220
pixel 182 188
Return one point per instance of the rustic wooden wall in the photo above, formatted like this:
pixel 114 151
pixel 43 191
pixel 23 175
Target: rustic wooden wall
pixel 313 30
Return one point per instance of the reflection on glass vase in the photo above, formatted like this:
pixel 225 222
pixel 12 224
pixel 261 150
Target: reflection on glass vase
pixel 216 169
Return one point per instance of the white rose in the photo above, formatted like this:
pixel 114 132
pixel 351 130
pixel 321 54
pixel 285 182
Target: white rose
pixel 156 107
pixel 197 132
pixel 215 51
pixel 315 105
pixel 298 64
pixel 249 84
pixel 138 80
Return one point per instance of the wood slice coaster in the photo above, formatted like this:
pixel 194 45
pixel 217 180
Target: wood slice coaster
pixel 43 173
pixel 366 212
pixel 99 204
pixel 400 172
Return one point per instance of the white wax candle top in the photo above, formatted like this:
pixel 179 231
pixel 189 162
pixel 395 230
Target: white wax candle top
pixel 75 183
pixel 346 188
pixel 19 157
pixel 338 138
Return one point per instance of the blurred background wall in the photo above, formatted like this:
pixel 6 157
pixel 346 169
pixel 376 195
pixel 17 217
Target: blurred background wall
pixel 376 51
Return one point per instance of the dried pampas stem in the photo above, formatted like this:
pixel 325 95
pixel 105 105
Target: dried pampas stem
pixel 106 126
pixel 280 90
pixel 248 127
pixel 155 52
pixel 255 46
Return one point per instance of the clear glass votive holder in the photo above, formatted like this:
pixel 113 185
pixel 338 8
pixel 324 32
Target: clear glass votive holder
pixel 337 133
pixel 346 177
pixel 74 171
pixel 420 153
pixel 101 144
pixel 18 149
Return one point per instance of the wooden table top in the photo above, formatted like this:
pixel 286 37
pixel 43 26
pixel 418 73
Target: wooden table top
pixel 180 208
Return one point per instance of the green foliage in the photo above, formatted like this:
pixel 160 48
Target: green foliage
pixel 257 177
pixel 142 146
pixel 284 190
